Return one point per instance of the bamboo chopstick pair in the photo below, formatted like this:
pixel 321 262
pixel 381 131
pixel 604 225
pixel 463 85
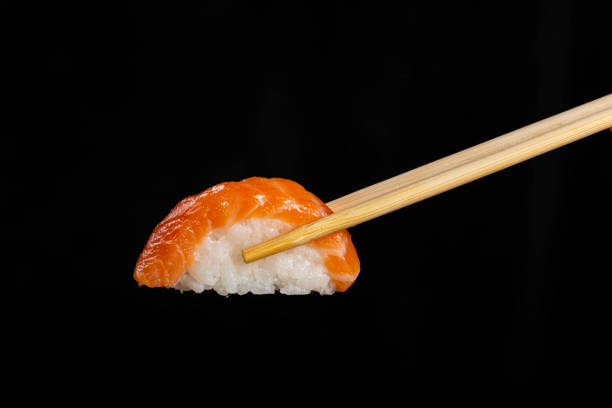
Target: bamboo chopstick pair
pixel 446 173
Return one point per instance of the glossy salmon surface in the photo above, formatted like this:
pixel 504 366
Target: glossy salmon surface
pixel 171 248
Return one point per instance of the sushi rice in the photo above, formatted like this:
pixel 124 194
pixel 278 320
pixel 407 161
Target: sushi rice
pixel 219 265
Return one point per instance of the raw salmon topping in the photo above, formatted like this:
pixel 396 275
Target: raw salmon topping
pixel 171 248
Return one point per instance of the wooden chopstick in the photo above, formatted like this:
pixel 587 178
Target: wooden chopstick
pixel 470 154
pixel 448 173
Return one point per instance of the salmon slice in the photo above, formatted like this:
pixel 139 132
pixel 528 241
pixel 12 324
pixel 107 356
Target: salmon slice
pixel 172 246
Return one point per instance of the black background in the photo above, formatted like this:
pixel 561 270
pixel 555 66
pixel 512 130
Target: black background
pixel 136 106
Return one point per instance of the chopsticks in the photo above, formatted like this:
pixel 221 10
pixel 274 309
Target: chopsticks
pixel 445 174
pixel 462 157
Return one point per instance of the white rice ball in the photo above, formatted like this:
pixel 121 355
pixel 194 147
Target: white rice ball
pixel 219 265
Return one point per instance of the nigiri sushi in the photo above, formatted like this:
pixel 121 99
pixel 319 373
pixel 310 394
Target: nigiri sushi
pixel 198 245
